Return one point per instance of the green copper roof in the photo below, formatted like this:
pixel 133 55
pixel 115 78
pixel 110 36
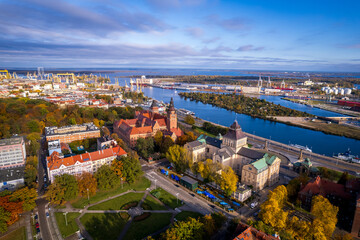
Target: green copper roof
pixel 201 137
pixel 260 164
pixel 202 140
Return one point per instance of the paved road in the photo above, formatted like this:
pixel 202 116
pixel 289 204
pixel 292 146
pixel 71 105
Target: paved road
pixel 46 228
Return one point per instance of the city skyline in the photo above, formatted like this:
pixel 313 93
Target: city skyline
pixel 276 35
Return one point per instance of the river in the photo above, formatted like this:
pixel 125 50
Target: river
pixel 319 142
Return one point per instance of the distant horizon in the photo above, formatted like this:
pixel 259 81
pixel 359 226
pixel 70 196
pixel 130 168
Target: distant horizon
pixel 168 68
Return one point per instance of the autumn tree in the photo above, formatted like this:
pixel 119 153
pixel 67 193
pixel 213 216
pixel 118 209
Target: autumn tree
pixel 192 229
pixel 4 218
pixel 228 181
pixel 118 168
pixel 271 211
pixel 64 188
pixel 106 178
pixel 325 217
pixel 189 120
pixel 132 168
pixel 178 156
pixel 209 225
pixel 105 131
pixel 158 139
pixel 87 184
pixel 299 229
pixel 25 195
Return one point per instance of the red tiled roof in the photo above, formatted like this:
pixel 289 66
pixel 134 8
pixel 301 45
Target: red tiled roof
pixel 178 132
pixel 324 187
pixel 246 232
pixel 55 162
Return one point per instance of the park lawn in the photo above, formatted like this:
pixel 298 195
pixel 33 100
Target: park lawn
pixel 202 131
pixel 155 205
pixel 141 229
pixel 140 185
pixel 168 198
pixel 71 228
pixel 117 203
pixel 103 226
pixel 186 214
pixel 18 234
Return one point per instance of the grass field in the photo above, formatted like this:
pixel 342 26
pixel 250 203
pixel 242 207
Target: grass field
pixel 103 226
pixel 186 214
pixel 202 131
pixel 140 185
pixel 139 230
pixel 117 203
pixel 71 228
pixel 167 198
pixel 155 205
pixel 18 234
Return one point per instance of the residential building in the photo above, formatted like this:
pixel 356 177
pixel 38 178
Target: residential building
pixel 54 146
pixel 12 152
pixel 68 134
pixel 246 232
pixel 231 150
pixel 86 162
pixel 10 178
pixel 105 142
pixel 262 172
pixel 148 123
pixel 242 193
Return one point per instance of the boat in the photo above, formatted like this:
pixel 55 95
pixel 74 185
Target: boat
pixel 347 156
pixel 301 147
pixel 184 111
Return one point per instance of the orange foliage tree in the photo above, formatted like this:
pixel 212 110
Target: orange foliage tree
pixel 87 184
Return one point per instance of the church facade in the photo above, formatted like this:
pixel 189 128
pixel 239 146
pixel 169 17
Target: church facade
pixel 147 124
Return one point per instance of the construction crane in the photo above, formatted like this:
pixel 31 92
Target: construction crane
pixel 4 74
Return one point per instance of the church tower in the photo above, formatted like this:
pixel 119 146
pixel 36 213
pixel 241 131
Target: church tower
pixel 171 121
pixel 154 108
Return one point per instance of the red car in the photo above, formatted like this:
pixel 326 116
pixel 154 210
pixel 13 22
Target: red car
pixel 37 225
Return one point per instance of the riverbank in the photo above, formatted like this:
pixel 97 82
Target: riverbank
pixel 324 106
pixel 320 125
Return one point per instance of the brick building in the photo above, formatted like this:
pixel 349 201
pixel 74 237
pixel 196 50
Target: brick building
pixel 68 134
pixel 147 124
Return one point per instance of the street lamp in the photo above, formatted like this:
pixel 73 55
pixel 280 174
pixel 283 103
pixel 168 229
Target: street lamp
pixel 87 193
pixel 177 198
pixel 122 186
pixel 65 217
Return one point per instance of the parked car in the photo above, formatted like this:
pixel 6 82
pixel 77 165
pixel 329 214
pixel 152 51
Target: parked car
pixel 38 230
pixel 47 214
pixel 36 216
pixel 253 205
pixel 37 225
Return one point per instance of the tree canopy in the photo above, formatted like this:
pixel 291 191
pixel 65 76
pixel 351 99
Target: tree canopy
pixel 106 178
pixel 178 156
pixel 132 168
pixel 64 188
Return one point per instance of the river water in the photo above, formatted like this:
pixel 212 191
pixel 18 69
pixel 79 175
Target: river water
pixel 319 142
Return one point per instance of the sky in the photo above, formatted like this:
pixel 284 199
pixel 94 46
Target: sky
pixel 306 35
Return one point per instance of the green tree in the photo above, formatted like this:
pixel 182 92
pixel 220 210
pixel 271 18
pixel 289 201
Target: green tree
pixel 189 120
pixel 4 218
pixel 228 181
pixel 106 178
pixel 132 168
pixel 178 156
pixel 166 144
pixel 344 178
pixel 144 147
pixel 64 188
pixel 192 229
pixel 33 126
pixel 158 138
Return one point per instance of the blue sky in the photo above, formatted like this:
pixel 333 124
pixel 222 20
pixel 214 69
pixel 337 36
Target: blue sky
pixel 317 35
